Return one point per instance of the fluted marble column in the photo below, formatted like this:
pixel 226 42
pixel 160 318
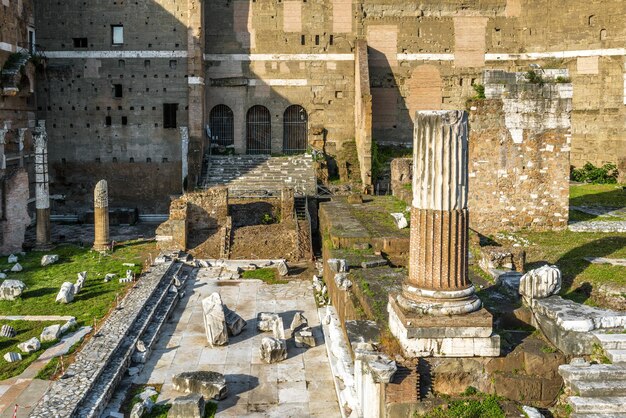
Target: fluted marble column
pixel 42 185
pixel 437 283
pixel 101 217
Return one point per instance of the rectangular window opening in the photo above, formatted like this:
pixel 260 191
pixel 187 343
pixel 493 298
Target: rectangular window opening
pixel 169 115
pixel 302 40
pixel 117 34
pixel 80 42
pixel 117 91
pixel 124 120
pixel 317 39
pixel 107 121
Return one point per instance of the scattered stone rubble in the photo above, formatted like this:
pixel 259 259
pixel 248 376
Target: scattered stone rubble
pixel 51 333
pixel 215 320
pixel 11 289
pixel 80 282
pixel 540 283
pixel 342 281
pixel 7 331
pixel 337 265
pixel 273 350
pixel 400 220
pixel 17 267
pixel 12 259
pixel 30 346
pixel 66 294
pixel 211 385
pixel 48 259
pixel 189 406
pixel 12 357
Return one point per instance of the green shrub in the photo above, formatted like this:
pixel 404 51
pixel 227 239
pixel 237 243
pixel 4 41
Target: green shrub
pixel 534 77
pixel 267 219
pixel 563 80
pixel 480 91
pixel 589 173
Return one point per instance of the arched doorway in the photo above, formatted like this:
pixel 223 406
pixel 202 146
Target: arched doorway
pixel 258 130
pixel 222 125
pixel 295 130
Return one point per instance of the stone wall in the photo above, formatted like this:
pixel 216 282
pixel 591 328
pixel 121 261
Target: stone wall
pixel 15 218
pixel 518 156
pixel 427 55
pixel 140 184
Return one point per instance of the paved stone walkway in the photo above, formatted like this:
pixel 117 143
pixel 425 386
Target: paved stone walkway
pixel 35 318
pixel 301 386
pixel 25 390
pixel 598 226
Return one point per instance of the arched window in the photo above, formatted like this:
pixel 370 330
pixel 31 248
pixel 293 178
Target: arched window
pixel 221 123
pixel 258 130
pixel 295 130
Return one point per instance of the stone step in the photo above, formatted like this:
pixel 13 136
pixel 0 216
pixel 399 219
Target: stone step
pixel 599 388
pixel 603 405
pixel 613 415
pixel 592 373
pixel 152 332
pixel 615 341
pixel 616 356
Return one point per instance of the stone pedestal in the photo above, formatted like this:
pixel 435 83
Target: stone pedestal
pixel 101 217
pixel 438 313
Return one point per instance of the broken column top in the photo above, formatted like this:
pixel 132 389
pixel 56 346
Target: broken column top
pixel 101 195
pixel 440 157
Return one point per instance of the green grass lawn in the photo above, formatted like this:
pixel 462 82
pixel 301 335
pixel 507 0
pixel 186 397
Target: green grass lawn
pixel 566 249
pixel 268 275
pixel 96 297
pixel 597 195
pixel 25 331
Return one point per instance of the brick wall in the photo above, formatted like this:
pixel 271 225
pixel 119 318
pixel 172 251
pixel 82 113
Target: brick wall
pixel 15 217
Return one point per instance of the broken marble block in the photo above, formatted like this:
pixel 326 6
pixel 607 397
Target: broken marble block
pixel 273 350
pixel 282 268
pixel 382 368
pixel 12 259
pixel 304 338
pixel 138 410
pixel 11 289
pixel 68 326
pixel 48 259
pixel 130 275
pixel 66 294
pixel 342 281
pixel 337 265
pixel 278 329
pixel 50 333
pixel 531 412
pixel 299 321
pixel 317 284
pixel 540 283
pixel 189 406
pixel 109 276
pixel 400 220
pixel 7 331
pixel 265 321
pixel 82 276
pixel 215 320
pixel 211 385
pixel 234 322
pixel 30 346
pixel 17 267
pixel 12 357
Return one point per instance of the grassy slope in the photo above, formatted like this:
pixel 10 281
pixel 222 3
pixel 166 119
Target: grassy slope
pixel 96 297
pixel 25 331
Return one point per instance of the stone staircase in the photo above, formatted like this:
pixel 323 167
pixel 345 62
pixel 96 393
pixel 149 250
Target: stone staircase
pixel 90 381
pixel 260 175
pixel 599 389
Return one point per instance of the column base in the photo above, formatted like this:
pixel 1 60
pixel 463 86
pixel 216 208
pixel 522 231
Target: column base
pixel 422 335
pixel 101 247
pixel 438 302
